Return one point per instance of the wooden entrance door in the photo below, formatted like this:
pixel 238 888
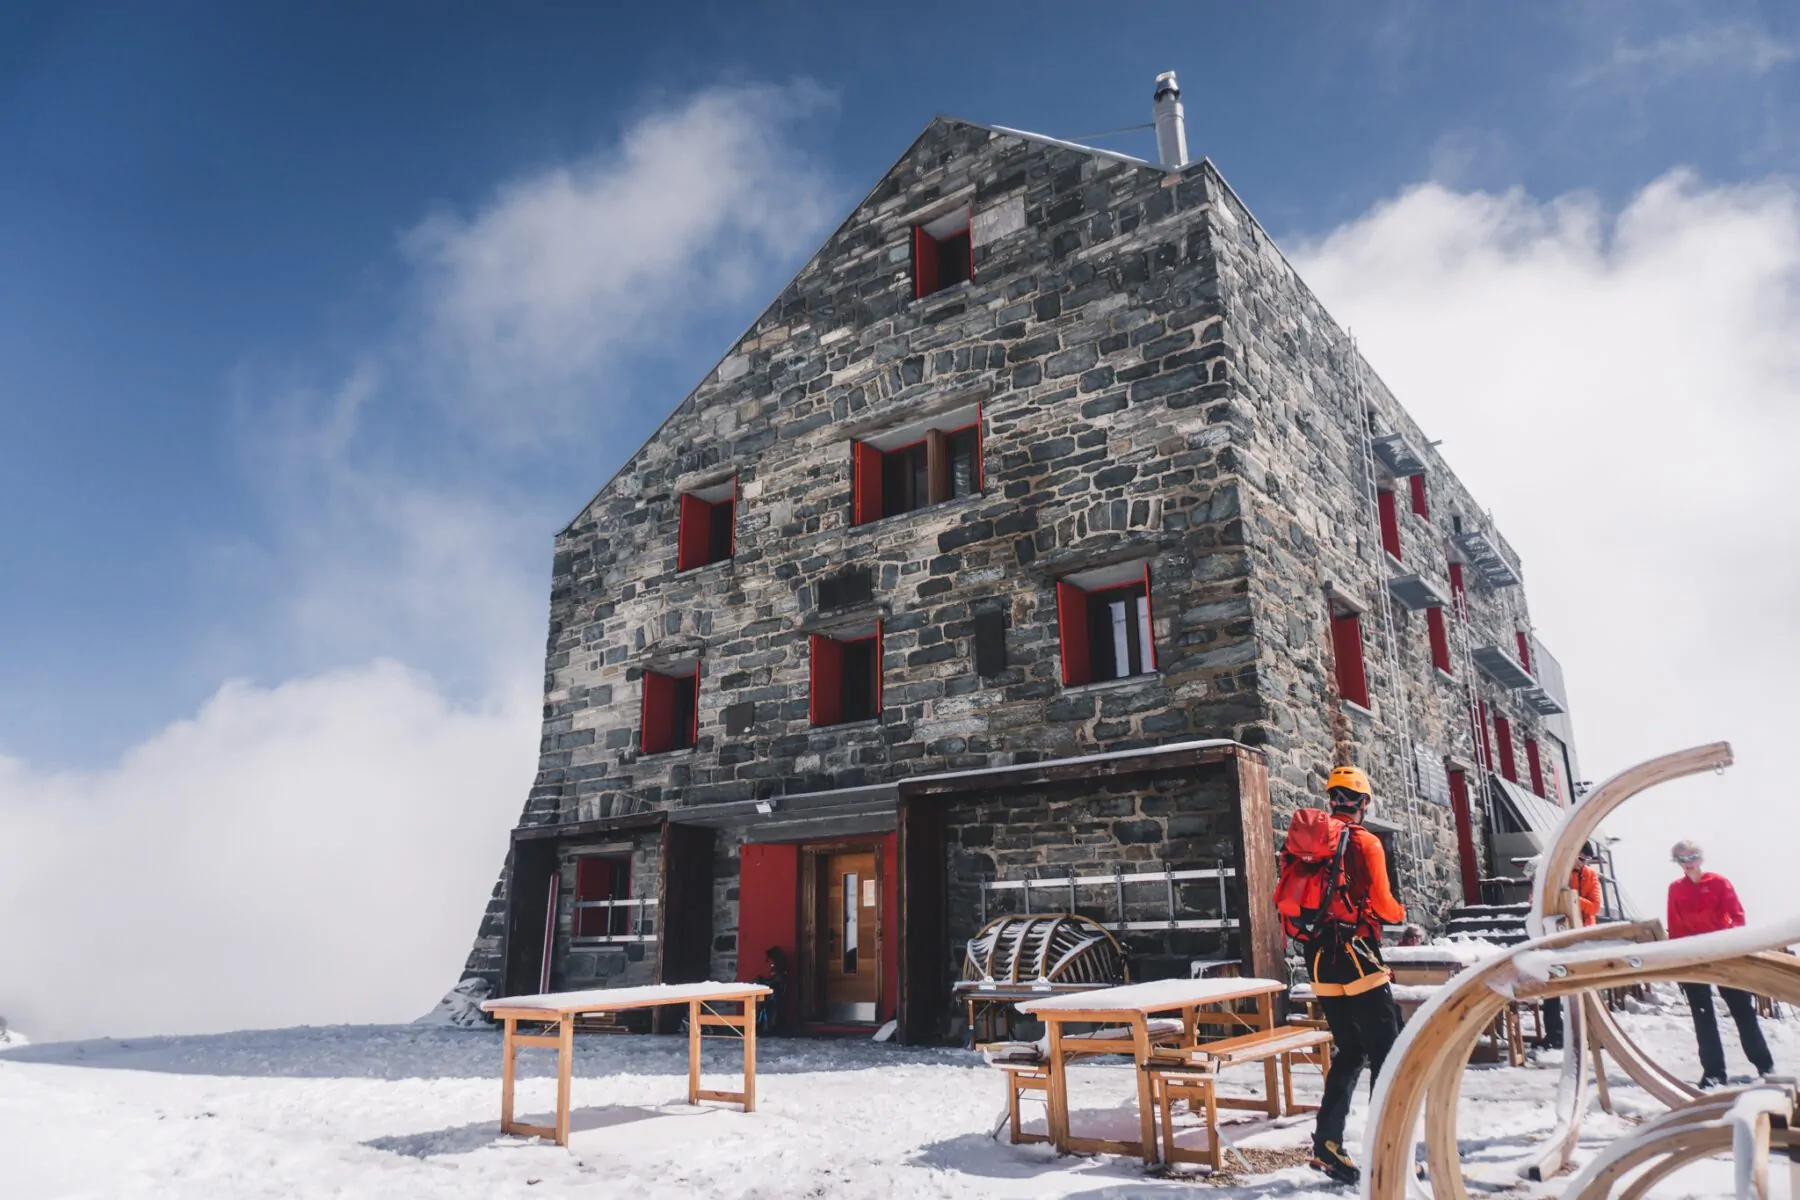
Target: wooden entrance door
pixel 848 934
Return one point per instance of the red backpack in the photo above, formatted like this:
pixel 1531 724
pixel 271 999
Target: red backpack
pixel 1312 876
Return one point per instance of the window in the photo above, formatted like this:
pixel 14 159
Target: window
pixel 1509 766
pixel 1440 639
pixel 1525 650
pixel 1456 587
pixel 707 520
pixel 1417 483
pixel 925 463
pixel 990 643
pixel 1390 523
pixel 846 678
pixel 1535 765
pixel 1347 656
pixel 943 255
pixel 601 881
pixel 671 711
pixel 1103 620
pixel 1481 722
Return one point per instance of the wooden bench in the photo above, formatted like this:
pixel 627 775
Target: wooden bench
pixel 1025 1072
pixel 1192 1075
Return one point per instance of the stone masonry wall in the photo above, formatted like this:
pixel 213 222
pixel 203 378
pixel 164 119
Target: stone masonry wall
pixel 1312 522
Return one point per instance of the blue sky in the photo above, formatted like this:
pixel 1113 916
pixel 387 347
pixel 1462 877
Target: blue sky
pixel 204 200
pixel 318 321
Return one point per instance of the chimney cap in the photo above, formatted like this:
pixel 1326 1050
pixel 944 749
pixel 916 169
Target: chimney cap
pixel 1166 85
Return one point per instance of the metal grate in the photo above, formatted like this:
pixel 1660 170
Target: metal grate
pixel 1058 890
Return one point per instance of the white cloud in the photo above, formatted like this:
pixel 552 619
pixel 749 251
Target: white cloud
pixel 571 266
pixel 312 853
pixel 1624 390
pixel 1734 48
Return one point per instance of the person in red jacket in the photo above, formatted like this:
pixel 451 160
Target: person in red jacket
pixel 1584 881
pixel 1702 902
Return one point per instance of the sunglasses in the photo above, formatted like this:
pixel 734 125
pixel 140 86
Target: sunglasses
pixel 1687 858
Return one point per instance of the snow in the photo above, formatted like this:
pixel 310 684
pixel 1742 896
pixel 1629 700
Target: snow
pixel 12 1037
pixel 357 1112
pixel 1156 996
pixel 1464 953
pixel 612 999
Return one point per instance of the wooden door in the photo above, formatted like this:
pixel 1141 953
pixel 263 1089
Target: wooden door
pixel 849 930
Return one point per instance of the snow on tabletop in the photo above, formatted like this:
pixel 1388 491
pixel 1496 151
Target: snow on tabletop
pixel 609 999
pixel 1152 997
pixel 1464 953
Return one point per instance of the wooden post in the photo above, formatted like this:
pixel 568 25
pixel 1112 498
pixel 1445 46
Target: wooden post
pixel 1140 1038
pixel 1259 933
pixel 507 1051
pixel 1265 1020
pixel 1058 1108
pixel 693 1052
pixel 750 1053
pixel 565 1070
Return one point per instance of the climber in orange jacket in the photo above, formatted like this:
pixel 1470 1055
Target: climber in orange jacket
pixel 1584 881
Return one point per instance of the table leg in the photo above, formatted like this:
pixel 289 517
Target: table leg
pixel 1265 1019
pixel 507 1053
pixel 693 1052
pixel 1140 1038
pixel 565 1069
pixel 1057 1111
pixel 750 1053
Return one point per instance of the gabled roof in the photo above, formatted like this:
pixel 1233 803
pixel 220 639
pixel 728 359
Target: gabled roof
pixel 937 120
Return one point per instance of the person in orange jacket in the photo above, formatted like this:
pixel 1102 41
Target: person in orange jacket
pixel 1349 977
pixel 1584 881
pixel 1702 902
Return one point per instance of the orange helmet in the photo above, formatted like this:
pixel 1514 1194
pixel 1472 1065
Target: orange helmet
pixel 1351 779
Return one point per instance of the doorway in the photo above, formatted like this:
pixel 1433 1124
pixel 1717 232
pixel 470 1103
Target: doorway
pixel 844 932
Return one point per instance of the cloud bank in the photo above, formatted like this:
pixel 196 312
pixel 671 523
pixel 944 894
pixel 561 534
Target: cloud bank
pixel 1624 389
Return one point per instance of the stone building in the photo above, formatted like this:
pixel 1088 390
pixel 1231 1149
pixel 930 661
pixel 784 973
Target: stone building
pixel 1042 545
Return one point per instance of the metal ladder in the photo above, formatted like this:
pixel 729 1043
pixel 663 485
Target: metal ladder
pixel 1365 415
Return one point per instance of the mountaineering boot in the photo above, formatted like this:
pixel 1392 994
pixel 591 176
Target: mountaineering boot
pixel 1330 1158
pixel 1709 1082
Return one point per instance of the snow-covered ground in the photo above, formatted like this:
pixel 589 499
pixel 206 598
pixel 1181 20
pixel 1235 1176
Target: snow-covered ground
pixel 411 1111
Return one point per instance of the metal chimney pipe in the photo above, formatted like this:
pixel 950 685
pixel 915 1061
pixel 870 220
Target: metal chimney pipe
pixel 1171 125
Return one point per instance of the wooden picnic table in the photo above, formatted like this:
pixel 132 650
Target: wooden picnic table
pixel 562 1008
pixel 1129 1009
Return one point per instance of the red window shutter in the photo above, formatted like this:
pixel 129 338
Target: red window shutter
pixel 865 481
pixel 1524 650
pixel 1417 483
pixel 695 535
pixel 1072 628
pixel 877 668
pixel 1509 765
pixel 1534 765
pixel 979 488
pixel 658 732
pixel 1150 642
pixel 694 732
pixel 937 466
pixel 1347 650
pixel 1390 523
pixel 827 694
pixel 1465 838
pixel 1440 640
pixel 1481 721
pixel 925 262
pixel 1456 585
pixel 731 516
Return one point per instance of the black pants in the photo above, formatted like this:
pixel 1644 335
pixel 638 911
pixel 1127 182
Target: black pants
pixel 1363 1026
pixel 1706 1029
pixel 1553 1022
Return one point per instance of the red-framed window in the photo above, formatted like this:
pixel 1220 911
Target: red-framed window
pixel 708 527
pixel 845 682
pixel 1457 591
pixel 1103 622
pixel 671 718
pixel 1440 639
pixel 1534 764
pixel 943 253
pixel 1524 640
pixel 917 466
pixel 1347 656
pixel 1503 737
pixel 1419 505
pixel 1390 522
pixel 601 880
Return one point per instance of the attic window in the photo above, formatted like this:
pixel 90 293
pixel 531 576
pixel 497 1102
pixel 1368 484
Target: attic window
pixel 707 534
pixel 943 255
pixel 1103 620
pixel 845 677
pixel 917 465
pixel 671 718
